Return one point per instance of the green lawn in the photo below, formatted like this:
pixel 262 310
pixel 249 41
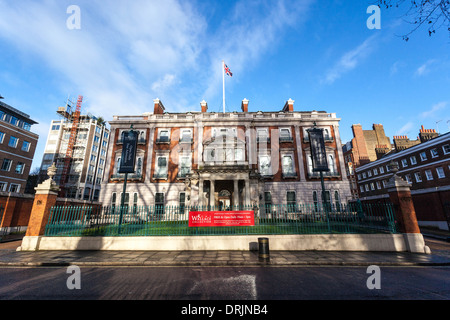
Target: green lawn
pixel 181 228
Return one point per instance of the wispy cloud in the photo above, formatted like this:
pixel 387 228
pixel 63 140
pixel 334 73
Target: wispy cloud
pixel 424 68
pixel 396 66
pixel 435 108
pixel 118 57
pixel 128 53
pixel 405 129
pixel 349 60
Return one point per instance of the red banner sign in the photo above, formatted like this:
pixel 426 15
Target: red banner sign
pixel 221 218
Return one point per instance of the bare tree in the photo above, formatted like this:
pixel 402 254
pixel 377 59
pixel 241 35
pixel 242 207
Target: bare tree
pixel 434 14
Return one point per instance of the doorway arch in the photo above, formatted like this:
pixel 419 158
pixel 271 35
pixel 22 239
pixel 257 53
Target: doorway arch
pixel 225 200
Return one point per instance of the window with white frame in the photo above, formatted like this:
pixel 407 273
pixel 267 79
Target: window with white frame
pixel 239 154
pixel 287 165
pixel 13 141
pixel 413 160
pixel 26 146
pixel 14 187
pixel 372 186
pixel 404 163
pixel 361 188
pixel 2 136
pixel 113 201
pixel 265 166
pixel 285 134
pixel 291 201
pixel 216 132
pixel 418 177
pixel 332 164
pixel 118 160
pixel 139 161
pixel 366 187
pixel 3 185
pixel 159 203
pixel 6 165
pixel 378 185
pixel 181 202
pixel 423 156
pixel 440 172
pixel 262 134
pixel 161 167
pixel 185 165
pixel 381 170
pixel 428 174
pixel 446 148
pixel 20 166
pixel 186 135
pixel 369 173
pixel 408 178
pixel 434 153
pixel 375 171
pixel 163 136
pixel 326 134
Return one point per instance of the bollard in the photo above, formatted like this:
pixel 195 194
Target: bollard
pixel 264 255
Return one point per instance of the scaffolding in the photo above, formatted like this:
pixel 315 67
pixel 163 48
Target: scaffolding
pixel 75 118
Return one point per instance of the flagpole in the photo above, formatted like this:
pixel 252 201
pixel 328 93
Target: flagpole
pixel 223 84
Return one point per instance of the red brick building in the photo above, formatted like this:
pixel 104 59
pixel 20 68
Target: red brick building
pixel 17 147
pixel 366 146
pixel 426 166
pixel 233 158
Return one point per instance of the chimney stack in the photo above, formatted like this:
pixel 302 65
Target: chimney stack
pixel 289 106
pixel 204 106
pixel 244 105
pixel 159 107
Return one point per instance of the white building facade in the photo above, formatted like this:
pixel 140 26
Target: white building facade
pixel 88 159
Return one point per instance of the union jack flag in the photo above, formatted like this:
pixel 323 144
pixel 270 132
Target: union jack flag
pixel 227 70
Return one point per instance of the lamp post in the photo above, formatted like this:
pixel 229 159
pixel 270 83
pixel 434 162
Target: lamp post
pixel 127 163
pixel 319 161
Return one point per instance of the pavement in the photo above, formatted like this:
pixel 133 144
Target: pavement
pixel 437 241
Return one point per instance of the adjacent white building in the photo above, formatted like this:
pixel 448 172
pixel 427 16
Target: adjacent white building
pixel 88 160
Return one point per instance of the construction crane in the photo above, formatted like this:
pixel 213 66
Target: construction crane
pixel 69 152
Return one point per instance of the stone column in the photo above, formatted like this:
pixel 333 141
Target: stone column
pixel 400 195
pixel 200 193
pixel 44 200
pixel 235 193
pixel 247 192
pixel 212 196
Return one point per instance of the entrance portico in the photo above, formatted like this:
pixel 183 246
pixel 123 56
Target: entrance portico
pixel 225 187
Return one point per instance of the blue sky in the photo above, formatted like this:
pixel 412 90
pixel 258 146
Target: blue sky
pixel 319 53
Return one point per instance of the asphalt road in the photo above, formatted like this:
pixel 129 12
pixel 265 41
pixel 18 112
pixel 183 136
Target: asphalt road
pixel 224 283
